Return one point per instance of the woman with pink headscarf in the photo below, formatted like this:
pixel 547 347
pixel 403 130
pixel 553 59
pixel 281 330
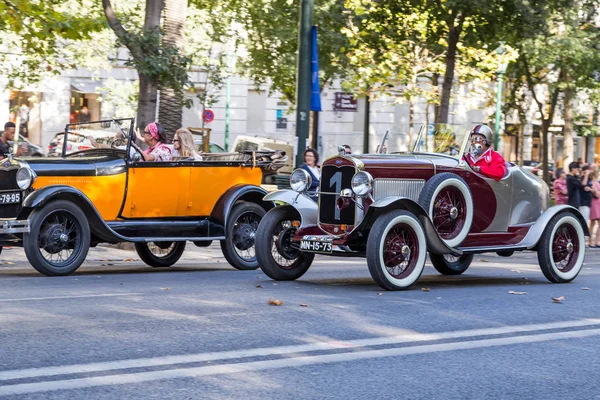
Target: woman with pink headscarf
pixel 154 136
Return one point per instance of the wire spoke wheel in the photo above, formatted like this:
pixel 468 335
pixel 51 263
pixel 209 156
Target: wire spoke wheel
pixel 59 238
pixel 161 249
pixel 244 235
pixel 565 247
pixel 400 251
pixel 281 245
pixel 449 212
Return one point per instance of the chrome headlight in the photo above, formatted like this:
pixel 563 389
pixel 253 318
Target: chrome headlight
pixel 25 178
pixel 362 183
pixel 300 180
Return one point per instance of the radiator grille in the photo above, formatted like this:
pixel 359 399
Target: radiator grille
pixel 333 180
pixel 8 179
pixel 410 188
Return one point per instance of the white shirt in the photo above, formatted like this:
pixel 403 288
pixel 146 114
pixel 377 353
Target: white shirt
pixel 315 171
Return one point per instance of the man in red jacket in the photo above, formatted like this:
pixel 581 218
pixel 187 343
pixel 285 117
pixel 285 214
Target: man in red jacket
pixel 482 158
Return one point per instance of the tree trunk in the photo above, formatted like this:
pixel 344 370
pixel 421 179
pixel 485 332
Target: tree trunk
pixel 148 84
pixel 147 100
pixel 453 38
pixel 170 111
pixel 568 130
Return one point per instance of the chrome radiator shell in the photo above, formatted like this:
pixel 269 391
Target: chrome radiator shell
pixel 410 188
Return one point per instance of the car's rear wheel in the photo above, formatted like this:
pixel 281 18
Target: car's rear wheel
pixel 276 256
pixel 396 250
pixel 447 264
pixel 561 249
pixel 447 200
pixel 239 247
pixel 160 254
pixel 59 238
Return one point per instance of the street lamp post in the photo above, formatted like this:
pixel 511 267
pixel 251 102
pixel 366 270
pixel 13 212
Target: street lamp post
pixel 230 60
pixel 500 73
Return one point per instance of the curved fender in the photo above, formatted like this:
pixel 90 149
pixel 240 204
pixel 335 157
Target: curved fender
pixel 306 206
pixel 245 192
pixel 434 242
pixel 41 196
pixel 97 225
pixel 535 232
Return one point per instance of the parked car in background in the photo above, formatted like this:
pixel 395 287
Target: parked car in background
pixel 394 208
pixel 33 150
pixel 262 143
pixel 535 167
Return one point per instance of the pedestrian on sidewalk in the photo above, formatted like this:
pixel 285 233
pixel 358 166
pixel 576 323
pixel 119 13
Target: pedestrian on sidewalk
pixel 560 187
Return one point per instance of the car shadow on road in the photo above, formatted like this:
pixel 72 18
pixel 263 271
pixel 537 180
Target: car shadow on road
pixel 436 282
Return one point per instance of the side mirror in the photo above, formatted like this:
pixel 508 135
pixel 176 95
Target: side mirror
pixel 136 157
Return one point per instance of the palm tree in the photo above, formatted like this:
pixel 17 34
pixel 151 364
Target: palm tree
pixel 170 108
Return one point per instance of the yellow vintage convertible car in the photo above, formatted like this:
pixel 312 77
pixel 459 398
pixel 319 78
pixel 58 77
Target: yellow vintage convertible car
pixel 56 208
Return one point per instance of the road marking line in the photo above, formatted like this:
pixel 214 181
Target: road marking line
pixel 282 350
pixel 69 297
pixel 197 372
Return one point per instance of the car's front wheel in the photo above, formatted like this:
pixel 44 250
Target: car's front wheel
pixel 276 256
pixel 561 249
pixel 239 247
pixel 59 238
pixel 160 254
pixel 396 250
pixel 447 264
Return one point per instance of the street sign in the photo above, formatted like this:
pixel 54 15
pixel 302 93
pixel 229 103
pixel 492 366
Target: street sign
pixel 345 102
pixel 208 116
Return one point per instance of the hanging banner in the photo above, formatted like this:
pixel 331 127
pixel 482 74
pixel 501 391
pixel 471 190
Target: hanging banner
pixel 315 95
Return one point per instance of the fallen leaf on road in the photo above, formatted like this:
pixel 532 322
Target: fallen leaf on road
pixel 425 289
pixel 513 292
pixel 164 288
pixel 275 302
pixel 129 259
pixel 379 294
pixel 259 286
pixel 585 288
pixel 303 305
pixel 483 260
pixel 9 263
pixel 558 299
pixel 276 284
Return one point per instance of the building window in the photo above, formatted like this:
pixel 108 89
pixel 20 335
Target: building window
pixel 257 103
pixel 85 106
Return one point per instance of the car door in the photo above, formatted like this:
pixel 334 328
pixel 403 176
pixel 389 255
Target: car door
pixel 156 190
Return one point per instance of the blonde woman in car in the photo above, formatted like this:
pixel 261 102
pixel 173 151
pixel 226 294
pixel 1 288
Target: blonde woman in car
pixel 183 145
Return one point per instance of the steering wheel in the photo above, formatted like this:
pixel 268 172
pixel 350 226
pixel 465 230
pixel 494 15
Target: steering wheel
pixel 137 148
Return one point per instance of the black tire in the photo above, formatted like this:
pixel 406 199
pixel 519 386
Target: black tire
pixel 202 243
pixel 0 249
pixel 59 226
pixel 385 246
pixel 160 254
pixel 447 199
pixel 561 248
pixel 505 253
pixel 449 265
pixel 239 247
pixel 276 258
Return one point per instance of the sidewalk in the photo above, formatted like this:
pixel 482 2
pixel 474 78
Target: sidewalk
pixel 111 253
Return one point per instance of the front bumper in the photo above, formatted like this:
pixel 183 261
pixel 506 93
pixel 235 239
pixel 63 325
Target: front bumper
pixel 14 226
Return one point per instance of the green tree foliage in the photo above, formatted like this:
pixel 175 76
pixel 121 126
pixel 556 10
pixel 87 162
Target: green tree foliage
pixel 34 35
pixel 266 35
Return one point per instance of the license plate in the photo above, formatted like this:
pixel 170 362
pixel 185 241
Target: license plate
pixel 317 245
pixel 10 198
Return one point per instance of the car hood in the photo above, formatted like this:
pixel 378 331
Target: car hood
pixel 75 166
pixel 406 161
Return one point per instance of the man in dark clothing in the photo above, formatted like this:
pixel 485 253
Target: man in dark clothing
pixel 9 134
pixel 576 188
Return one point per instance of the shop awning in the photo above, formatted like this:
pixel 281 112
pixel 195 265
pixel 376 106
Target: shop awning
pixel 85 86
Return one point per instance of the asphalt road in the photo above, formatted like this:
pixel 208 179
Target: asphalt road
pixel 202 330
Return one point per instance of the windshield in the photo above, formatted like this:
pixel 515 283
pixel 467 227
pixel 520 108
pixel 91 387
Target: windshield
pixel 433 139
pixel 109 134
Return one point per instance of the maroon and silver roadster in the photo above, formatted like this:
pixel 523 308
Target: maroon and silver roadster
pixel 393 207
